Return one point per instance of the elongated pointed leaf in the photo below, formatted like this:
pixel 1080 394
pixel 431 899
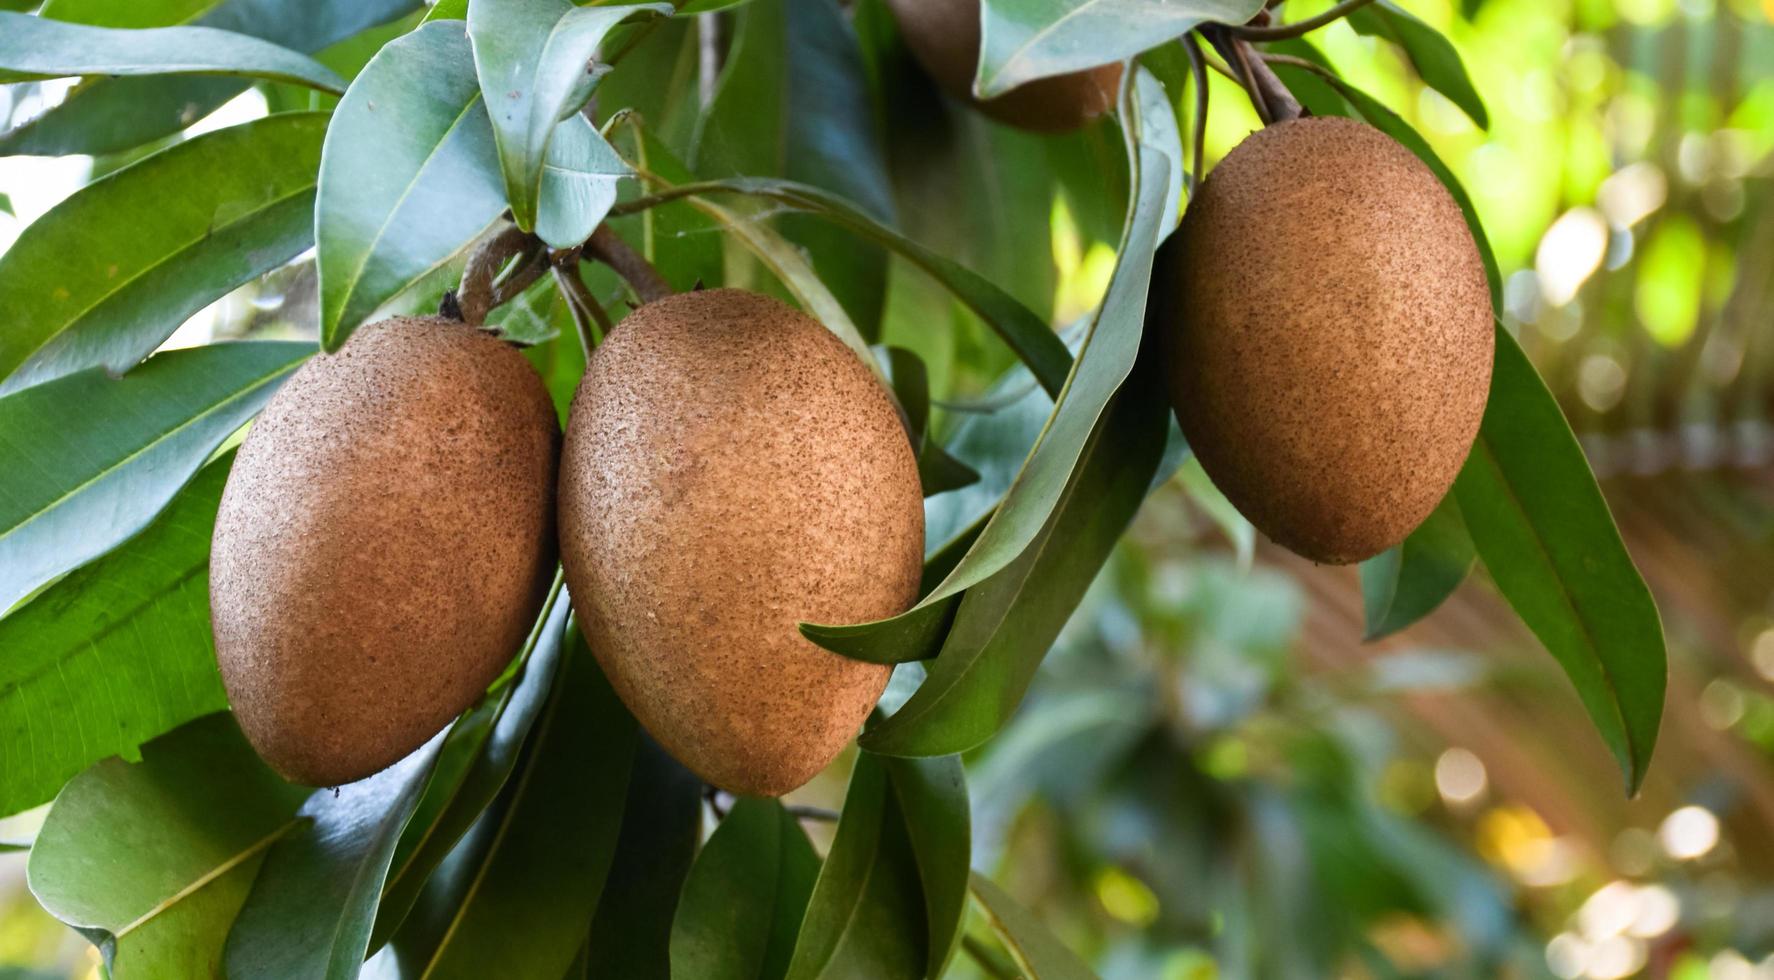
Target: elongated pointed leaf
pixel 1037 952
pixel 744 898
pixel 1541 525
pixel 1405 583
pixel 140 437
pixel 1023 40
pixel 36 47
pixel 938 472
pixel 399 200
pixel 112 655
pixel 578 183
pixel 152 860
pixel 535 62
pixel 1431 54
pixel 111 272
pixel 932 795
pixel 311 908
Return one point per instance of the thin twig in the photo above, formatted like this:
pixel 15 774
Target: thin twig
pixel 1239 55
pixel 589 319
pixel 1311 66
pixel 1198 70
pixel 1283 32
pixel 1273 102
pixel 529 268
pixel 812 813
pixel 607 247
pixel 477 295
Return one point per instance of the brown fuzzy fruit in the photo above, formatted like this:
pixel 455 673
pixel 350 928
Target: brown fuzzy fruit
pixel 1330 342
pixel 731 469
pixel 944 36
pixel 383 545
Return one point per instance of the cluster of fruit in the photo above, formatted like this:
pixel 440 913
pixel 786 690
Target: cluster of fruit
pixel 392 523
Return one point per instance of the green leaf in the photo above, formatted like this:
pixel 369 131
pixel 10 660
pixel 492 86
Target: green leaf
pixel 1434 58
pixel 6 204
pixel 536 67
pixel 35 47
pixel 311 908
pixel 1037 952
pixel 1405 583
pixel 661 828
pixel 679 240
pixel 578 183
pixel 1108 353
pixel 475 763
pixel 938 472
pixel 1541 525
pixel 112 655
pixel 151 860
pixel 398 202
pixel 1024 40
pixel 932 796
pixel 112 271
pixel 140 438
pixel 792 101
pixel 526 908
pixel 744 898
pixel 110 115
pixel 866 917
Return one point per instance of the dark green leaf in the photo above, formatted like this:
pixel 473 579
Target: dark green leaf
pixel 1403 584
pixel 152 860
pixel 1037 952
pixel 661 828
pixel 140 437
pixel 932 796
pixel 35 47
pixel 397 202
pixel 679 240
pixel 112 655
pixel 111 272
pixel 1028 39
pixel 743 901
pixel 866 917
pixel 1430 53
pixel 1541 525
pixel 1108 354
pixel 535 62
pixel 525 912
pixel 311 908
pixel 476 761
pixel 938 472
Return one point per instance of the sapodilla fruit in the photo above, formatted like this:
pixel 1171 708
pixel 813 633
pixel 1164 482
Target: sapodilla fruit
pixel 384 543
pixel 731 469
pixel 944 36
pixel 1329 338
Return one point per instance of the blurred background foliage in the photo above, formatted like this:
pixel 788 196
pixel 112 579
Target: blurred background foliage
pixel 1214 776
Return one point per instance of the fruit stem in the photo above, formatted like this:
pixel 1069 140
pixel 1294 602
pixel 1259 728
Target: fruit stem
pixel 607 247
pixel 1273 102
pixel 482 290
pixel 589 317
pixel 1258 31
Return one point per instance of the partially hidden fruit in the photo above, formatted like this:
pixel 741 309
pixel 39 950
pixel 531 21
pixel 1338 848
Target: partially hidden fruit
pixel 1329 336
pixel 944 36
pixel 383 546
pixel 731 469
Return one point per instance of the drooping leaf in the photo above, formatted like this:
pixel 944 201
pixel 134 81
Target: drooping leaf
pixel 744 898
pixel 111 272
pixel 37 47
pixel 938 472
pixel 792 101
pixel 866 917
pixel 311 908
pixel 661 828
pixel 110 115
pixel 112 655
pixel 151 860
pixel 1037 952
pixel 526 909
pixel 535 63
pixel 1434 58
pixel 1405 583
pixel 1540 523
pixel 932 797
pixel 1023 40
pixel 140 437
pixel 578 183
pixel 1108 353
pixel 474 764
pixel 396 202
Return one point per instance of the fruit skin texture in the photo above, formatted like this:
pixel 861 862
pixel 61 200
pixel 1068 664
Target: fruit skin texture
pixel 1329 338
pixel 384 543
pixel 731 469
pixel 944 36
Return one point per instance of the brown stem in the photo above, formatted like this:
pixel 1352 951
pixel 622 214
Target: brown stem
pixel 1311 66
pixel 605 246
pixel 1274 103
pixel 589 318
pixel 1198 70
pixel 1263 32
pixel 476 296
